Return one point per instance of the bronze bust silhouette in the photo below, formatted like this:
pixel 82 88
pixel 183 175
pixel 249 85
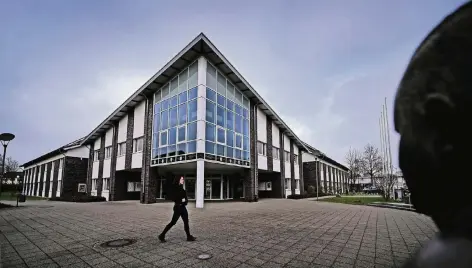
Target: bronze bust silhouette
pixel 433 110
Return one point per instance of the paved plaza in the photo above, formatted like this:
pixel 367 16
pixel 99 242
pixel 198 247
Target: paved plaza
pixel 269 233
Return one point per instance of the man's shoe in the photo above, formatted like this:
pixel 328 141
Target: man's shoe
pixel 191 238
pixel 162 238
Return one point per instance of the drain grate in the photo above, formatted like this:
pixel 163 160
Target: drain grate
pixel 118 243
pixel 204 256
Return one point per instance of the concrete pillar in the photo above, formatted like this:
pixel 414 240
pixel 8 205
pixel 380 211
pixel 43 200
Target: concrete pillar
pixel 200 184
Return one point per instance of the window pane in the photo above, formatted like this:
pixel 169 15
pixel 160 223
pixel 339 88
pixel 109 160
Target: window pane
pixel 155 143
pixel 229 152
pixel 220 133
pixel 157 108
pixel 237 154
pixel 171 150
pixel 230 105
pixel 246 127
pixel 183 76
pixel 164 105
pixel 173 101
pixel 192 131
pixel 221 100
pixel 165 120
pixel 181 134
pixel 229 138
pixel 220 116
pixel 220 150
pixel 181 148
pixel 246 155
pixel 246 103
pixel 182 97
pixel 164 138
pixel 239 141
pixel 192 110
pixel 165 91
pixel 237 123
pixel 174 86
pixel 238 97
pixel 210 132
pixel 192 147
pixel 155 153
pixel 210 94
pixel 157 120
pixel 192 93
pixel 193 76
pixel 246 143
pixel 210 111
pixel 209 147
pixel 162 152
pixel 211 77
pixel 245 113
pixel 221 87
pixel 182 114
pixel 173 117
pixel 229 91
pixel 157 96
pixel 229 120
pixel 238 109
pixel 173 135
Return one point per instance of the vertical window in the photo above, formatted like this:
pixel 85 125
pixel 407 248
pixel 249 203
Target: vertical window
pixel 138 144
pixel 183 97
pixel 246 143
pixel 229 120
pixel 106 184
pixel 210 132
pixel 238 123
pixel 121 148
pixel 211 76
pixel 287 156
pixel 275 153
pixel 193 93
pixel 220 116
pixel 173 117
pixel 96 155
pixel 261 148
pixel 295 159
pixel 163 138
pixel 239 141
pixel 209 147
pixel 221 86
pixel 192 110
pixel 210 111
pixel 193 75
pixel 183 78
pixel 210 94
pixel 181 134
pixel 230 138
pixel 172 136
pixel 164 120
pixel 108 152
pixel 192 131
pixel 182 114
pixel 221 135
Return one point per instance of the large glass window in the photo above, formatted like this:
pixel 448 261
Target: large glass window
pixel 175 106
pixel 227 116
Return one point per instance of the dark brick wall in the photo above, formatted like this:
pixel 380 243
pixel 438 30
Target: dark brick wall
pixel 114 152
pixel 325 178
pixel 75 172
pixel 122 178
pixel 129 140
pixel 270 157
pixel 300 170
pixel 48 177
pixel 55 176
pixel 148 174
pixel 100 165
pixel 41 180
pixel 36 181
pixel 292 167
pixel 330 172
pixel 250 175
pixel 310 173
pixel 282 162
pixel 90 168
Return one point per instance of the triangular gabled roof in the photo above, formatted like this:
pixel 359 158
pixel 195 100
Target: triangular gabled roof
pixel 200 46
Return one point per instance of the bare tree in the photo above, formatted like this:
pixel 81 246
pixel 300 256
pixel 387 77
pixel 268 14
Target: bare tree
pixel 385 183
pixel 11 165
pixel 371 161
pixel 354 163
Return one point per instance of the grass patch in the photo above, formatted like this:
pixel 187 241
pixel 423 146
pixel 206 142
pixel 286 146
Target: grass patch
pixel 11 196
pixel 354 200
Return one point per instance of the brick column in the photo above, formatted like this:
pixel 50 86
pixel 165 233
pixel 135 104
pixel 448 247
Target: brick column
pixel 41 180
pixel 114 152
pixel 325 178
pixel 148 174
pixel 282 162
pixel 90 168
pixel 48 178
pixel 292 167
pixel 250 175
pixel 300 170
pixel 100 165
pixel 129 140
pixel 55 176
pixel 270 157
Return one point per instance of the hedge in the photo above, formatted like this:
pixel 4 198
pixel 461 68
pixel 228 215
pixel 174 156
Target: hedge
pixel 80 199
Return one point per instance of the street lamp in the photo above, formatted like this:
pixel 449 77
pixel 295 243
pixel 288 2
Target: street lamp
pixel 5 139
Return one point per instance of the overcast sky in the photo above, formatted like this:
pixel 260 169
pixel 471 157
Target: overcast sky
pixel 324 66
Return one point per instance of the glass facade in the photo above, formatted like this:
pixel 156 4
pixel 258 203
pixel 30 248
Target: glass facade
pixel 227 118
pixel 175 116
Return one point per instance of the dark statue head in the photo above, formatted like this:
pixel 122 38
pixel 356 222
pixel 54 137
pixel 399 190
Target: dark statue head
pixel 433 115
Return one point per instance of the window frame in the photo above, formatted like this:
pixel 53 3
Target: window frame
pixel 224 135
pixel 136 142
pixel 108 152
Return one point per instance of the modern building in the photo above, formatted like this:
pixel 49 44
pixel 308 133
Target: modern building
pixel 196 118
pixel 56 173
pixel 323 172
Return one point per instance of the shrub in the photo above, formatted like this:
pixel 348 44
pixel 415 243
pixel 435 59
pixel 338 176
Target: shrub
pixel 311 189
pixel 79 199
pixel 306 195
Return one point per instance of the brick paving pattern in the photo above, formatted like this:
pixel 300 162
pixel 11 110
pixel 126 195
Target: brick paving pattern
pixel 269 233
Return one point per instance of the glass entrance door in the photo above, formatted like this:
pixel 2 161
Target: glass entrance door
pixel 190 187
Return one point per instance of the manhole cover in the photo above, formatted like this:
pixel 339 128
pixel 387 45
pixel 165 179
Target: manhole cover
pixel 118 243
pixel 45 206
pixel 204 256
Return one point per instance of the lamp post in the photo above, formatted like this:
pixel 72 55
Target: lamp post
pixel 5 139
